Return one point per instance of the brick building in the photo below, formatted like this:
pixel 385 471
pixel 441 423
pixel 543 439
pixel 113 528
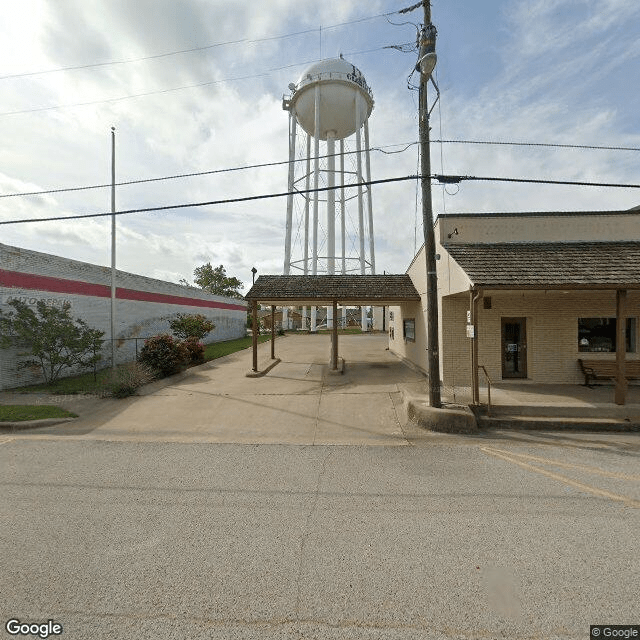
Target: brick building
pixel 144 306
pixel 542 289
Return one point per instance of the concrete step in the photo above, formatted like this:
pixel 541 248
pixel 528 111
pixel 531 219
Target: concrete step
pixel 556 423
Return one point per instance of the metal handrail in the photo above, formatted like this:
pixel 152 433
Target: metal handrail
pixel 481 366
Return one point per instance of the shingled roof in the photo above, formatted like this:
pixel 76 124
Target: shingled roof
pixel 324 289
pixel 592 265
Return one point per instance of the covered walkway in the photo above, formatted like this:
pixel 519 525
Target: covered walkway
pixel 324 290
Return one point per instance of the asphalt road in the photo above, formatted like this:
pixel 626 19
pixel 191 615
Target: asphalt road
pixel 503 536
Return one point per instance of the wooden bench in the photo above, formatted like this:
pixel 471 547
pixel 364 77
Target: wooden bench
pixel 606 370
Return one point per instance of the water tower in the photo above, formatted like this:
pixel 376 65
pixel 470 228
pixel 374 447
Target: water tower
pixel 330 103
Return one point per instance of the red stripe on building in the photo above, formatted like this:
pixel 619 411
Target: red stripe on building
pixel 30 281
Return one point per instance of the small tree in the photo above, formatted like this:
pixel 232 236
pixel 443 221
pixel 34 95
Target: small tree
pixel 191 326
pixel 216 281
pixel 55 341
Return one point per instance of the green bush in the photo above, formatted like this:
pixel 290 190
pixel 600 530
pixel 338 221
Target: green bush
pixel 164 355
pixel 186 325
pixel 196 350
pixel 127 379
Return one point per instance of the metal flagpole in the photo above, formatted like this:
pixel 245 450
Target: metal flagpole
pixel 113 247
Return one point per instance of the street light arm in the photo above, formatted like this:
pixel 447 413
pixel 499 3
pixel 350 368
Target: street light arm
pixel 435 102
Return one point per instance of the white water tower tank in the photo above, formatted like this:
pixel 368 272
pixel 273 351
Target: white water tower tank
pixel 345 99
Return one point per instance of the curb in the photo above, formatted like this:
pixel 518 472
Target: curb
pixel 456 419
pixel 33 424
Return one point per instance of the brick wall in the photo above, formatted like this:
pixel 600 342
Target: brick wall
pixel 551 316
pixel 144 306
pixel 551 329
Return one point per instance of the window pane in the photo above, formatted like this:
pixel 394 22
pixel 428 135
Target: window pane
pixel 409 329
pixel 631 335
pixel 599 335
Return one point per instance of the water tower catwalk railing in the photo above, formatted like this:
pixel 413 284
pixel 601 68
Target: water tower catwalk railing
pixel 331 102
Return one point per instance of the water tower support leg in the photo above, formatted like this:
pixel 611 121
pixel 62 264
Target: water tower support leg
pixel 306 208
pixel 289 224
pixel 331 215
pixel 359 177
pixel 367 161
pixel 334 342
pixel 343 211
pixel 316 177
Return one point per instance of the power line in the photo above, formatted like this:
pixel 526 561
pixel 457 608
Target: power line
pixel 451 179
pixel 382 149
pixel 203 173
pixel 172 89
pixel 130 96
pixel 443 179
pixel 211 202
pixel 126 61
pixel 539 144
pixel 191 50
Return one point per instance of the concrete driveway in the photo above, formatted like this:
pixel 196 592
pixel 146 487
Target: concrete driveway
pixel 297 402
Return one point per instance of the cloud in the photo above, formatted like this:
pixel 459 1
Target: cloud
pixel 557 70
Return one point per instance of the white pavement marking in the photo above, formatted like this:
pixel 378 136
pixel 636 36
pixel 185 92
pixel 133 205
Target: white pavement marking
pixel 630 502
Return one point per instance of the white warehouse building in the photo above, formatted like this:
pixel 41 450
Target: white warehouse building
pixel 144 305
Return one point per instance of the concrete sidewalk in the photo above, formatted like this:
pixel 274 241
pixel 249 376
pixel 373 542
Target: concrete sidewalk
pixel 297 402
pixel 526 405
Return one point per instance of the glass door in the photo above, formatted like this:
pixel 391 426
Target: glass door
pixel 514 347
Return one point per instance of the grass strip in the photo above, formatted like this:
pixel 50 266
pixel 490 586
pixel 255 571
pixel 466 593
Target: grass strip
pixel 83 383
pixel 220 349
pixel 23 412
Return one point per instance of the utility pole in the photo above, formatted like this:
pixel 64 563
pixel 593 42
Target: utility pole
pixel 426 64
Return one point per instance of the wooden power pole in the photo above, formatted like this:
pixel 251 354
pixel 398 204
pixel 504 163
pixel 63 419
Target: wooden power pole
pixel 427 45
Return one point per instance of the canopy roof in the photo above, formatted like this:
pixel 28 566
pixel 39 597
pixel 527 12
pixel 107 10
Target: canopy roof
pixel 548 265
pixel 324 290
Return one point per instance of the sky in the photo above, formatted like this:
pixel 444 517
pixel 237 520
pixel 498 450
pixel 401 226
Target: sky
pixel 197 86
